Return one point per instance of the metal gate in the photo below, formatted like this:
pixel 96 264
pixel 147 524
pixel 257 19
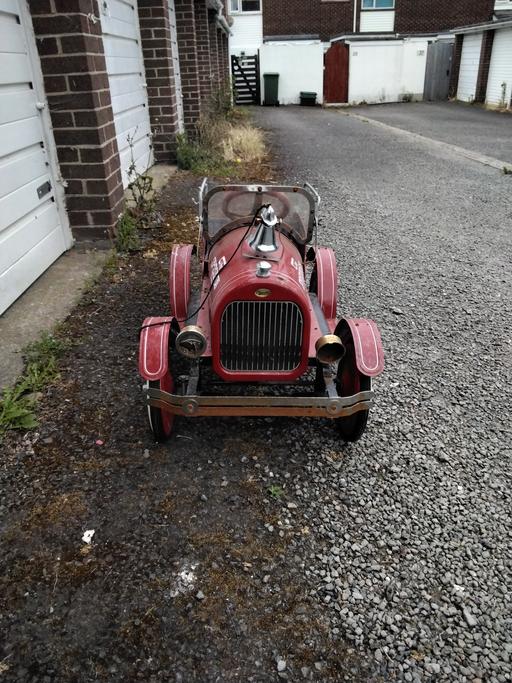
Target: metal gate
pixel 438 70
pixel 246 79
pixel 336 74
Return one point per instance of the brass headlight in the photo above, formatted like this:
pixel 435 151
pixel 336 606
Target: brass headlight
pixel 329 348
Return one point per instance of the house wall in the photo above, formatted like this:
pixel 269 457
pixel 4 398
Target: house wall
pixel 247 33
pixel 307 17
pixel 300 66
pixel 385 71
pixel 333 18
pixel 426 16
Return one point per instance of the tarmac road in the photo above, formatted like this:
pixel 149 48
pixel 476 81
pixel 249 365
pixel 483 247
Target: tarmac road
pixel 422 504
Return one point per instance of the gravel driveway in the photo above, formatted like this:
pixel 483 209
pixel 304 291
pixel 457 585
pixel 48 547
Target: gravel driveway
pixel 264 549
pixel 412 526
pixel 465 125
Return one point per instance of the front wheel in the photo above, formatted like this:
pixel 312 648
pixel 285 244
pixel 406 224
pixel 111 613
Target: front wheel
pixel 350 381
pixel 160 421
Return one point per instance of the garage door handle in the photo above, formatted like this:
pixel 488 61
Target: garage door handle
pixel 44 189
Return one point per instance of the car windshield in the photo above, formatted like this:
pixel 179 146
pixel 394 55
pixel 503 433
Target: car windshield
pixel 229 206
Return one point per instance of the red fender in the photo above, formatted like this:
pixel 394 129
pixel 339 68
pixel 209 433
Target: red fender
pixel 154 348
pixel 367 344
pixel 179 279
pixel 327 281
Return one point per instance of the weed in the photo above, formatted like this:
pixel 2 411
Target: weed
pixel 16 410
pixel 127 237
pixel 111 264
pixel 17 404
pixel 200 157
pixel 223 137
pixel 243 144
pixel 46 350
pixel 276 491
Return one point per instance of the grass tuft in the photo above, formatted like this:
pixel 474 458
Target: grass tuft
pixel 224 137
pixel 243 144
pixel 17 404
pixel 127 235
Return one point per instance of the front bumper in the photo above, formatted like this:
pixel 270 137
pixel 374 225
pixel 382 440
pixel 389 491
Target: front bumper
pixel 282 406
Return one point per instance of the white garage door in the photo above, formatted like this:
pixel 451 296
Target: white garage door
pixel 176 66
pixel 469 63
pixel 34 229
pixel 499 83
pixel 127 80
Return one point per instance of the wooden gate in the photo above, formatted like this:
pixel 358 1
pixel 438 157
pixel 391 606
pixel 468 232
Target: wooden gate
pixel 438 70
pixel 336 74
pixel 246 79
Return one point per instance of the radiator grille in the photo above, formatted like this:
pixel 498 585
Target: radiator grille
pixel 261 335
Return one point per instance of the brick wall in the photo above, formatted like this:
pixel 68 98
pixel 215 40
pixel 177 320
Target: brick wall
pixel 158 64
pixel 187 44
pixel 483 67
pixel 214 48
pixel 203 51
pixel 416 16
pixel 335 17
pixel 76 83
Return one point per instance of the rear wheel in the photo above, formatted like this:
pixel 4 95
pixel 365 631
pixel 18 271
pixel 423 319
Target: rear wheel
pixel 350 381
pixel 160 421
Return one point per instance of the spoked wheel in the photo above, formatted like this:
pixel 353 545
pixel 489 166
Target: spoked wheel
pixel 350 381
pixel 160 421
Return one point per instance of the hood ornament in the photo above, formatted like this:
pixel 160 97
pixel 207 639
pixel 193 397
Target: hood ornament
pixel 264 239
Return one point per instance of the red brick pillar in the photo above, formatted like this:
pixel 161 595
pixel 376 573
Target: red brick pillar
pixel 483 67
pixel 158 63
pixel 454 76
pixel 225 68
pixel 214 48
pixel 203 52
pixel 189 70
pixel 76 83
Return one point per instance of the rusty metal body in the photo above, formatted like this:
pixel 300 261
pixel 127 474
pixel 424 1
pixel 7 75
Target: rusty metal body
pixel 256 321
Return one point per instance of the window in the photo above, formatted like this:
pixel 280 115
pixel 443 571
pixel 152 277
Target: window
pixel 245 5
pixel 378 4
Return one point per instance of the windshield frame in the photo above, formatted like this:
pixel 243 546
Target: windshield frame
pixel 306 190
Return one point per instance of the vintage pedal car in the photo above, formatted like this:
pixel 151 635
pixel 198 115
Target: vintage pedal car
pixel 254 323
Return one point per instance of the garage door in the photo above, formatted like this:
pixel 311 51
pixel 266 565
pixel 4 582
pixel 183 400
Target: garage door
pixel 33 225
pixel 126 76
pixel 469 63
pixel 499 83
pixel 176 66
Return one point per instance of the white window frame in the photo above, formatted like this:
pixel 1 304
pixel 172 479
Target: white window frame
pixel 377 9
pixel 240 10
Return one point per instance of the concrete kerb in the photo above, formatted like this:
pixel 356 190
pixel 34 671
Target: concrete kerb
pixel 460 151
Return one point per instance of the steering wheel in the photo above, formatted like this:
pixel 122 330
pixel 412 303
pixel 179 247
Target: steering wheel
pixel 231 196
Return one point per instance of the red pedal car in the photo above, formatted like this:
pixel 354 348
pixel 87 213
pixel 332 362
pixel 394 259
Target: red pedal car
pixel 261 322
